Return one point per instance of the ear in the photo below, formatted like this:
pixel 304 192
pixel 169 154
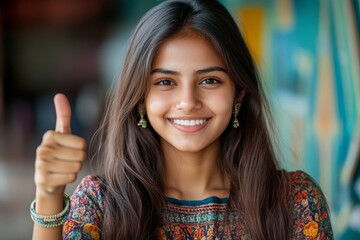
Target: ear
pixel 241 96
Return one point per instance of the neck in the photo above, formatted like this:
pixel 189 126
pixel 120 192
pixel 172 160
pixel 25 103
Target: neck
pixel 195 175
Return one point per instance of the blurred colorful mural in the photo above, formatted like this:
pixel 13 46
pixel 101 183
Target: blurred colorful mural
pixel 308 53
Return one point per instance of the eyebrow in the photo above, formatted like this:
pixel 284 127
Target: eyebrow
pixel 198 72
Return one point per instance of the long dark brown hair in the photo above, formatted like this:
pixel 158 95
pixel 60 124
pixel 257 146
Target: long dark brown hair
pixel 131 158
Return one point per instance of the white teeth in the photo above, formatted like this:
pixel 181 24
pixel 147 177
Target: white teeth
pixel 189 122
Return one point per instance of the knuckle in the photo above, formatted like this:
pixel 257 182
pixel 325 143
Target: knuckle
pixel 72 177
pixel 78 167
pixel 48 137
pixel 82 143
pixel 38 150
pixel 79 155
pixel 42 152
pixel 82 155
pixel 39 165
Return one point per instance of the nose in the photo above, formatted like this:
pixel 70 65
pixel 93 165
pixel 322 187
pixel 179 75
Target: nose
pixel 189 99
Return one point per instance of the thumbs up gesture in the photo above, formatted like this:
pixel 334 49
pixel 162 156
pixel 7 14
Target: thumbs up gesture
pixel 60 155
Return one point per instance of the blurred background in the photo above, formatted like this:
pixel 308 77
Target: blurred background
pixel 309 59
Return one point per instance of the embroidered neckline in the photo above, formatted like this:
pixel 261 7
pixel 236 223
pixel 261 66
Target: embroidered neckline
pixel 212 199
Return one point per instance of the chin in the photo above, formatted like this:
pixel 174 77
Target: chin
pixel 190 148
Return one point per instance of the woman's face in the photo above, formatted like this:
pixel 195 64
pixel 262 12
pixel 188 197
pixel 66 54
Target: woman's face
pixel 191 96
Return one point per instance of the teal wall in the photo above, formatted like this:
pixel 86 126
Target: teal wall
pixel 310 64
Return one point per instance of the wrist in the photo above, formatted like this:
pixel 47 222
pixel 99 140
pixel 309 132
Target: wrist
pixel 47 219
pixel 49 203
pixel 50 193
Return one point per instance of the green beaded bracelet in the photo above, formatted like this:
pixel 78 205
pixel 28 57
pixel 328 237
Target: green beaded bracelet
pixel 50 221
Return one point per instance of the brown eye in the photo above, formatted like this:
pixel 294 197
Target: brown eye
pixel 210 81
pixel 165 82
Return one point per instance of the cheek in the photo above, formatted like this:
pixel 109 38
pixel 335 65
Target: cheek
pixel 226 111
pixel 156 106
pixel 221 105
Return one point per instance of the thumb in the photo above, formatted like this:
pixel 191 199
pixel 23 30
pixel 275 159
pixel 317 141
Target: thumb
pixel 63 113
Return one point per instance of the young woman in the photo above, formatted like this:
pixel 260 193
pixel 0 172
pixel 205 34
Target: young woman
pixel 185 152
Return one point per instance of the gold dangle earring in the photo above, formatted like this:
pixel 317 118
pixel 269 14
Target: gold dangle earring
pixel 142 122
pixel 236 112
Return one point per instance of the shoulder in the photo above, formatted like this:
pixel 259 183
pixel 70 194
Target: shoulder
pixel 305 192
pixel 300 180
pixel 90 183
pixel 86 212
pixel 300 177
pixel 89 192
pixel 309 209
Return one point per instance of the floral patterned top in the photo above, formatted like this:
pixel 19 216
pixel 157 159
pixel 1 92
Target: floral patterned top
pixel 210 218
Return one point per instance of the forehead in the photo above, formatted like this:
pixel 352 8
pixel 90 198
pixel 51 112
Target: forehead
pixel 187 46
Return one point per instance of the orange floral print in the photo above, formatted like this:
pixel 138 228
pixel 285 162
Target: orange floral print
pixel 211 231
pixel 304 194
pixel 178 233
pixel 315 193
pixel 92 230
pixel 199 233
pixel 68 227
pixel 311 229
pixel 298 197
pixel 160 234
pixel 189 229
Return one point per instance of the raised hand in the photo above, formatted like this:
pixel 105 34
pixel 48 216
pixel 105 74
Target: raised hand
pixel 59 158
pixel 60 155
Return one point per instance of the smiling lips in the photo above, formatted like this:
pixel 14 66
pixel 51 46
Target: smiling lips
pixel 189 125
